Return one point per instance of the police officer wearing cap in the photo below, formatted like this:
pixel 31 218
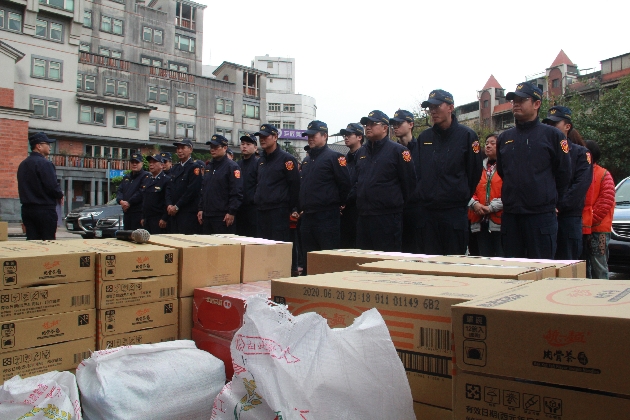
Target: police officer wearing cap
pixel 39 190
pixel 324 189
pixel 278 187
pixel 571 203
pixel 154 215
pixel 533 161
pixel 385 179
pixel 167 164
pixel 221 190
pixel 182 193
pixel 353 136
pixel 129 193
pixel 247 216
pixel 450 169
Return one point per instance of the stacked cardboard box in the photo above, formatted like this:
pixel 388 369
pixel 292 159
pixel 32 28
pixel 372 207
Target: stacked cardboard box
pixel 548 349
pixel 4 231
pixel 218 313
pixel 416 309
pixel 47 307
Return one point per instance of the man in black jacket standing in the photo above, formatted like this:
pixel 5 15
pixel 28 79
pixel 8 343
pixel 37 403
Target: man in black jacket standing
pixel 353 138
pixel 450 169
pixel 129 193
pixel 534 163
pixel 221 190
pixel 385 178
pixel 247 215
pixel 182 193
pixel 154 215
pixel 324 189
pixel 39 190
pixel 278 188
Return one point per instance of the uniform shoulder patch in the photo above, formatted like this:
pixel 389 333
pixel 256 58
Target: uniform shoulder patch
pixel 565 146
pixel 342 161
pixel 589 159
pixel 237 173
pixel 197 171
pixel 289 165
pixel 475 146
pixel 406 156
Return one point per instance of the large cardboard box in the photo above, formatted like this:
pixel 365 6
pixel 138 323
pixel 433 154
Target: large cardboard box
pixel 185 318
pixel 126 319
pixel 480 397
pixel 336 260
pixel 118 260
pixel 38 360
pixel 202 264
pixel 33 301
pixel 560 268
pixel 416 309
pixel 219 310
pixel 151 335
pixel 217 346
pixel 115 293
pixel 4 231
pixel 570 332
pixel 436 268
pixel 431 412
pixel 48 329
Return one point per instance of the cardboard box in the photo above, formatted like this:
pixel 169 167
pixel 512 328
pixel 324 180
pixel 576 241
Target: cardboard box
pixel 185 318
pixel 28 263
pixel 28 302
pixel 116 293
pixel 562 268
pixel 38 360
pixel 219 310
pixel 118 260
pixel 480 397
pixel 431 412
pixel 4 231
pixel 152 335
pixel 216 346
pixel 416 309
pixel 334 261
pixel 202 264
pixel 437 268
pixel 126 319
pixel 48 329
pixel 569 332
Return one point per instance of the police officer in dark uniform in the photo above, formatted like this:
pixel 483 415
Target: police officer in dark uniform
pixel 129 193
pixel 571 203
pixel 385 178
pixel 182 193
pixel 324 188
pixel 154 215
pixel 278 187
pixel 167 162
pixel 450 169
pixel 534 163
pixel 39 190
pixel 221 191
pixel 353 138
pixel 247 215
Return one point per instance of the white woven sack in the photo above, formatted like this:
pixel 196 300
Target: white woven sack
pixel 296 368
pixel 170 380
pixel 52 395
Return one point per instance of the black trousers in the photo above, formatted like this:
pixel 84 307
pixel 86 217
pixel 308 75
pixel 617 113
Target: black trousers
pixel 40 223
pixel 348 222
pixel 569 242
pixel 215 224
pixel 529 235
pixel 443 231
pixel 152 225
pixel 185 223
pixel 132 220
pixel 273 224
pixel 411 221
pixel 380 233
pixel 320 231
pixel 247 221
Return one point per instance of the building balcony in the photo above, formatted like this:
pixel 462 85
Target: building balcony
pixel 184 23
pixel 87 162
pixel 171 74
pixel 100 60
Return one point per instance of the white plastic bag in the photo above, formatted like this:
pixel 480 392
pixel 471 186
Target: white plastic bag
pixel 170 380
pixel 52 395
pixel 298 368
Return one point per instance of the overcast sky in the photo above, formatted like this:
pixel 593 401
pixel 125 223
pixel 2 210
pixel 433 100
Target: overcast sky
pixel 356 56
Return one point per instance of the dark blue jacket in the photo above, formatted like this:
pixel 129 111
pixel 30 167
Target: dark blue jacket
pixel 450 166
pixel 534 163
pixel 37 182
pixel 183 190
pixel 571 203
pixel 414 200
pixel 325 182
pixel 249 175
pixel 130 190
pixel 351 160
pixel 385 177
pixel 278 181
pixel 154 196
pixel 221 189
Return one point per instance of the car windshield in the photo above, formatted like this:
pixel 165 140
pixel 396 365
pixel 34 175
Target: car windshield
pixel 622 196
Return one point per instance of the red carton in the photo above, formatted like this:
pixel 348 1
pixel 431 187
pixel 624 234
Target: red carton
pixel 219 309
pixel 216 346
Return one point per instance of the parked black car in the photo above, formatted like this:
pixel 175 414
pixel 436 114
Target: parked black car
pixel 82 220
pixel 619 247
pixel 106 227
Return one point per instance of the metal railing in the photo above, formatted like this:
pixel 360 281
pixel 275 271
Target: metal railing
pixel 101 60
pixel 171 74
pixel 74 161
pixel 185 23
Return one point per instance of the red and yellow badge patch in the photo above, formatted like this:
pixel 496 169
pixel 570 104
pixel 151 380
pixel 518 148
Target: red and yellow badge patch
pixel 289 165
pixel 565 146
pixel 475 146
pixel 589 159
pixel 342 161
pixel 406 156
pixel 237 173
pixel 197 171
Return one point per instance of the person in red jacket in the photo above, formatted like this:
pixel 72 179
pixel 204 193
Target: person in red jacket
pixel 603 209
pixel 485 206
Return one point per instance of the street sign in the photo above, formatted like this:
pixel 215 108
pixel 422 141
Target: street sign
pixel 113 173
